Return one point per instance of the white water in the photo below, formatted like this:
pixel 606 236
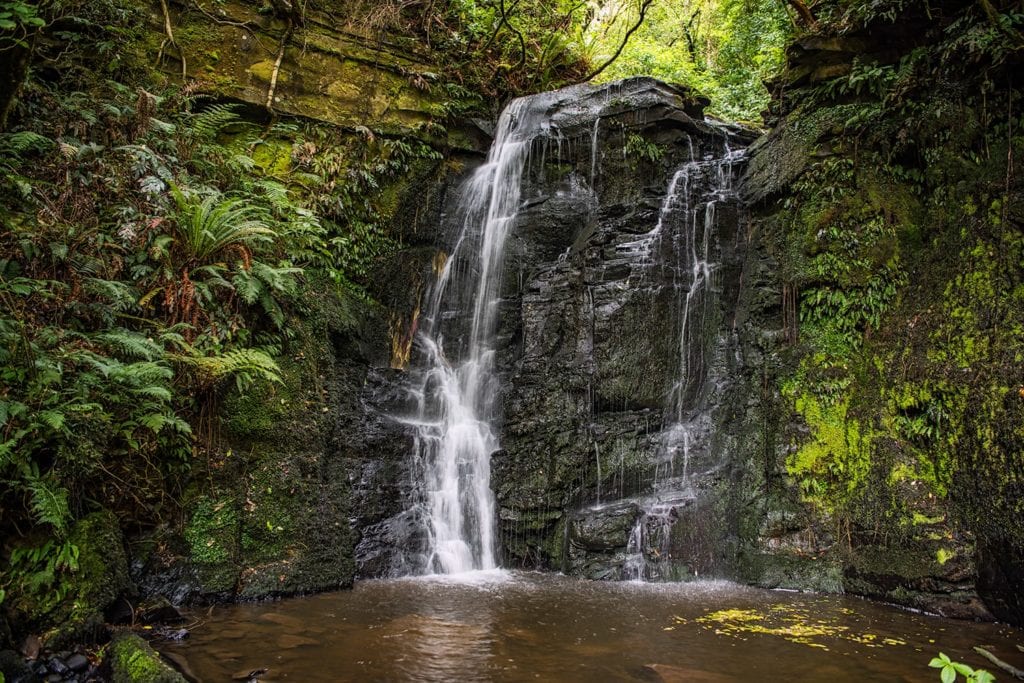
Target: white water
pixel 455 434
pixel 684 234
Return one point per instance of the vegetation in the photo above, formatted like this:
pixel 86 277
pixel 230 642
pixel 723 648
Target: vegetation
pixel 154 247
pixel 723 48
pixel 900 240
pixel 950 670
pixel 159 247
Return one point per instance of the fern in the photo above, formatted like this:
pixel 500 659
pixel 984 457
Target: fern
pixel 131 344
pixel 120 296
pixel 54 419
pixel 212 225
pixel 15 144
pixel 253 362
pixel 49 504
pixel 208 123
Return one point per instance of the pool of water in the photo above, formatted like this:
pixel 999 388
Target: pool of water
pixel 512 626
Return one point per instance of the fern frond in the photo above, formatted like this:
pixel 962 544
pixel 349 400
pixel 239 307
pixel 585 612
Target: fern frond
pixel 49 504
pixel 212 224
pixel 131 344
pixel 54 419
pixel 211 121
pixel 16 144
pixel 119 295
pixel 233 362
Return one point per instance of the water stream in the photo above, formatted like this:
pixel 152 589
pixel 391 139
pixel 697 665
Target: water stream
pixel 682 240
pixel 454 425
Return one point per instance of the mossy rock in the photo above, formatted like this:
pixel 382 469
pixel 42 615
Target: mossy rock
pixel 132 660
pixel 101 578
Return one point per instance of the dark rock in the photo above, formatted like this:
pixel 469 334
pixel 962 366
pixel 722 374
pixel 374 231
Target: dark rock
pixel 119 612
pixel 16 670
pixel 160 611
pixel 57 666
pixel 175 634
pixel 77 662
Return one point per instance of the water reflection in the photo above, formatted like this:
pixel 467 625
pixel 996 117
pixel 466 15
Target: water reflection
pixel 498 626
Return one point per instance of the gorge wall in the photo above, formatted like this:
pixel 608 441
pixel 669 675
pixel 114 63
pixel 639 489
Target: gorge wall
pixel 796 365
pixel 589 352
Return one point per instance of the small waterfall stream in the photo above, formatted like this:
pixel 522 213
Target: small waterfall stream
pixel 454 426
pixel 683 237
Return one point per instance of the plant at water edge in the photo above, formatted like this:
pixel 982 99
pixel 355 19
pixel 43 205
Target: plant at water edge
pixel 948 670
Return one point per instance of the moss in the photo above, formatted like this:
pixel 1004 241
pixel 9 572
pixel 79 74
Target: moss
pixel 264 71
pixel 132 660
pixel 211 530
pixel 274 156
pixel 101 577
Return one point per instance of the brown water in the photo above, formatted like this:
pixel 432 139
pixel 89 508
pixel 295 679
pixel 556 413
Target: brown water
pixel 502 626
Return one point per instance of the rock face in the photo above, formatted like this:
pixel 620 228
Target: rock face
pixel 325 73
pixel 623 340
pixel 623 284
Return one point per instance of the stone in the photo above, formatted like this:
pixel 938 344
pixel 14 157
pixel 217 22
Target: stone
pixel 30 647
pixel 57 666
pixel 77 662
pixel 132 660
pixel 14 667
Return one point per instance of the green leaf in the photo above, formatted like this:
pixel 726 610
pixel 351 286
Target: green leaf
pixel 948 674
pixel 52 419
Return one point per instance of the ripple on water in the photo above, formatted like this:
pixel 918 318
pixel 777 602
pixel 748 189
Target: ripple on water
pixel 512 626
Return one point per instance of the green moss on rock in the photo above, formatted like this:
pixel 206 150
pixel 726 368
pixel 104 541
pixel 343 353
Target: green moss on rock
pixel 102 577
pixel 132 660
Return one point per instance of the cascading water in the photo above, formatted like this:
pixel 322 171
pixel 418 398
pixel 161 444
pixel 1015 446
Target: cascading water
pixel 684 236
pixel 610 333
pixel 454 426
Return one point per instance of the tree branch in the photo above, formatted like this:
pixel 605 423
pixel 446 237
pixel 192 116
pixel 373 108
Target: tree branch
pixel 170 40
pixel 1008 668
pixel 804 12
pixel 644 4
pixel 277 66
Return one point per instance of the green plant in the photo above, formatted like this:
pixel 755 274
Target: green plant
pixel 37 572
pixel 949 670
pixel 637 146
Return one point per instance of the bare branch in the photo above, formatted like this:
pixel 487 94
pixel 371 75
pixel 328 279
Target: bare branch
pixel 277 66
pixel 644 4
pixel 1008 668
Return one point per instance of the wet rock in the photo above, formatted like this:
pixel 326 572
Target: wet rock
pixel 132 660
pixel 160 611
pixel 57 666
pixel 592 316
pixel 175 634
pixel 604 528
pixel 77 662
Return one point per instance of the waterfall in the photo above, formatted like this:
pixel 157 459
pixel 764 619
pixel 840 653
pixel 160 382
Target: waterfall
pixel 683 240
pixel 454 427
